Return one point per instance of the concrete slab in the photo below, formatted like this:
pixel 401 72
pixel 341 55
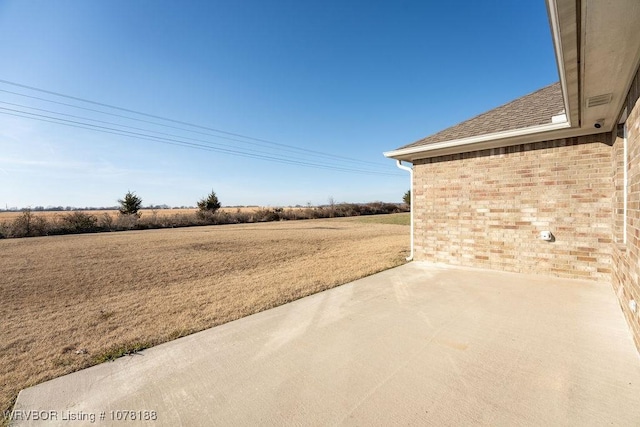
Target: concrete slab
pixel 419 344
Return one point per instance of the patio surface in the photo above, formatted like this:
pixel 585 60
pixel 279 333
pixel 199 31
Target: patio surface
pixel 420 344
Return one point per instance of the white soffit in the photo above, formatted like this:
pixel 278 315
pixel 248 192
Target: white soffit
pixel 610 52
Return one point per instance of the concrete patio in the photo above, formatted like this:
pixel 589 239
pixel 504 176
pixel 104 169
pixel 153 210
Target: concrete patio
pixel 419 345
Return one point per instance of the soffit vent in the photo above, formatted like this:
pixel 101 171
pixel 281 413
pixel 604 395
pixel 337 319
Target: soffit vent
pixel 594 101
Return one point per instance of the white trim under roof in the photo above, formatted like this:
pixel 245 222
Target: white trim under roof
pixel 498 138
pixel 602 37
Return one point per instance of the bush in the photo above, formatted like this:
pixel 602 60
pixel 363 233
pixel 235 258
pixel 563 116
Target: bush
pixel 125 222
pixel 106 222
pixel 207 217
pixel 266 215
pixel 79 222
pixel 28 225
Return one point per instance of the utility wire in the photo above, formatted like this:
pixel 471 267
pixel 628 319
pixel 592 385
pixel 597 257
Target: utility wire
pixel 293 149
pixel 174 121
pixel 137 128
pixel 171 141
pixel 253 151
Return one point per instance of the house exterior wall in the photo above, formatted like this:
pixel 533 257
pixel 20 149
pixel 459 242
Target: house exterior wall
pixel 626 255
pixel 487 208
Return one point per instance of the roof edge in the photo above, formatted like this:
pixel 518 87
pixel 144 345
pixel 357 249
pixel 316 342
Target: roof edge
pixel 499 138
pixel 562 22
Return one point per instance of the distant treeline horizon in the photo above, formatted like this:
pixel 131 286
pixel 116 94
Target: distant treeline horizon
pixel 31 223
pixel 50 208
pixel 103 208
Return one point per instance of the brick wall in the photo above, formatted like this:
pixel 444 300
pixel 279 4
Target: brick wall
pixel 487 208
pixel 626 256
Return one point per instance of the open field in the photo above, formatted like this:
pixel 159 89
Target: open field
pixel 10 216
pixel 50 223
pixel 72 301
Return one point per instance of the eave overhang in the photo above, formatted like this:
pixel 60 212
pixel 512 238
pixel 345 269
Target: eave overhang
pixel 488 141
pixel 597 48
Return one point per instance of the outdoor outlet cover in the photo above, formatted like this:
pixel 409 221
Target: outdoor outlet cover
pixel 546 235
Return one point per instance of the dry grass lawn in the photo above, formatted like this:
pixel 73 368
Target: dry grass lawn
pixel 72 301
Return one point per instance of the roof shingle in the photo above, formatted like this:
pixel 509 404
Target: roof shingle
pixel 534 109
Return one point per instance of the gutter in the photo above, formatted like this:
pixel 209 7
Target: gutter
pixel 554 20
pixel 410 170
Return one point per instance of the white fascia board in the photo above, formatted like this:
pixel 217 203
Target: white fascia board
pixel 461 144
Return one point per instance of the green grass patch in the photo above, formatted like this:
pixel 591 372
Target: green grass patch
pixel 397 219
pixel 122 350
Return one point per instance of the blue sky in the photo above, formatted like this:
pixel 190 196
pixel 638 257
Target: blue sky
pixel 344 78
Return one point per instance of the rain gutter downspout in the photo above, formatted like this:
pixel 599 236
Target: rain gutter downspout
pixel 410 170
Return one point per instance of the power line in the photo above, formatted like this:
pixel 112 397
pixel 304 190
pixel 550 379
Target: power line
pixel 252 151
pixel 171 141
pixel 291 147
pixel 133 127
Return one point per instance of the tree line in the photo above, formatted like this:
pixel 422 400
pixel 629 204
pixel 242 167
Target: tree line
pixel 129 217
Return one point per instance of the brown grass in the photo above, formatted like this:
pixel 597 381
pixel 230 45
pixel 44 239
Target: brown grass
pixel 72 301
pixel 10 216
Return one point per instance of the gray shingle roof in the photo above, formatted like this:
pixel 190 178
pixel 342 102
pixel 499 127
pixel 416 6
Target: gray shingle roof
pixel 534 109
